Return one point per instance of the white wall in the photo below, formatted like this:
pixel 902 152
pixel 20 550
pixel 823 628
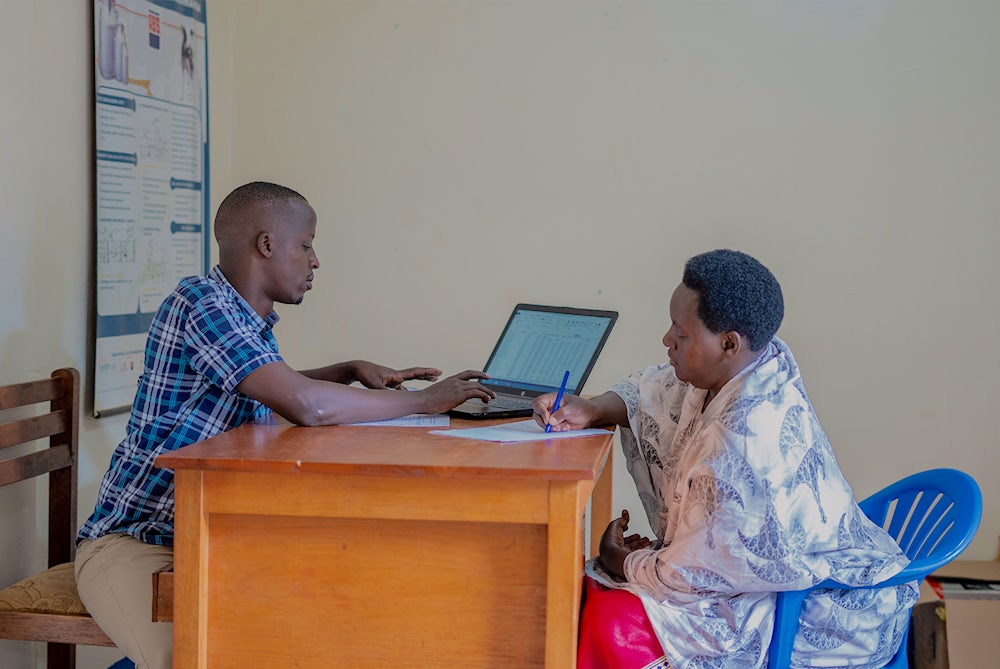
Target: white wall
pixel 850 145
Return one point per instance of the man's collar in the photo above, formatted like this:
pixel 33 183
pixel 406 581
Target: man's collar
pixel 267 322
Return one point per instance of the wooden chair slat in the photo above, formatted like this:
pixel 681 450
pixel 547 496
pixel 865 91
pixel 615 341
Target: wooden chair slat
pixel 36 427
pixel 52 628
pixel 29 392
pixel 35 464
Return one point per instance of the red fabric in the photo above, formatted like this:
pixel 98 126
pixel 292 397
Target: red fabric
pixel 614 630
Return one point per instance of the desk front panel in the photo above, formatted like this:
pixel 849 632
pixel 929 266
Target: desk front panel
pixel 300 570
pixel 326 592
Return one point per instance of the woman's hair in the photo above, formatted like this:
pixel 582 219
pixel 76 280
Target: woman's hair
pixel 736 294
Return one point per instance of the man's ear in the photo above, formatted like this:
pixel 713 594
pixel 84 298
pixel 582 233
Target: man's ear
pixel 264 243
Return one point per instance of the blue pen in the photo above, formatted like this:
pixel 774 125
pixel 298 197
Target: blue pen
pixel 555 407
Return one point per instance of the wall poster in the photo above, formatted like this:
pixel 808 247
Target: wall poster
pixel 151 117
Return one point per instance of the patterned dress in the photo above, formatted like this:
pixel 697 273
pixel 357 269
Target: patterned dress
pixel 747 499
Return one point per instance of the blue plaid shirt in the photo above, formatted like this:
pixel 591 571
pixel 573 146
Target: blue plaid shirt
pixel 204 340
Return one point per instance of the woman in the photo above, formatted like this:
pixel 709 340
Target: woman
pixel 743 492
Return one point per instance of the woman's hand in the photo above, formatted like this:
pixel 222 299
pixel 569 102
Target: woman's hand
pixel 574 413
pixel 615 546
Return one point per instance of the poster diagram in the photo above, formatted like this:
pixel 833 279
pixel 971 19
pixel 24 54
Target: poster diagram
pixel 151 96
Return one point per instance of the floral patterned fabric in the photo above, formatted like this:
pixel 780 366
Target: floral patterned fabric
pixel 52 591
pixel 747 499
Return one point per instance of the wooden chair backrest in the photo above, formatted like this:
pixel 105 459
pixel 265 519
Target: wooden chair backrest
pixel 61 425
pixel 59 422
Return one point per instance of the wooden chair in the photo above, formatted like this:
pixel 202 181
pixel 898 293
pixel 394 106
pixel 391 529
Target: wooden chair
pixel 46 607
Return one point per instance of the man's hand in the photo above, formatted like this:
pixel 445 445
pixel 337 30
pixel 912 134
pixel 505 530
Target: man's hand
pixel 379 377
pixel 452 391
pixel 615 546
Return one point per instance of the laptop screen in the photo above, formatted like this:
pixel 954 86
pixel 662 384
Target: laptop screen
pixel 540 343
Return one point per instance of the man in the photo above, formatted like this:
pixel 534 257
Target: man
pixel 742 489
pixel 211 364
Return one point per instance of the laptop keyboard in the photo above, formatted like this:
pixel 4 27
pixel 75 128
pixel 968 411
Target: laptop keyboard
pixel 504 402
pixel 511 402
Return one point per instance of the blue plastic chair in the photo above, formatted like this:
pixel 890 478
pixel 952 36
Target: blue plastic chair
pixel 932 515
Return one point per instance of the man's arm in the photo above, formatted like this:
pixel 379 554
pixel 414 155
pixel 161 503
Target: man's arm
pixel 342 372
pixel 309 401
pixel 370 375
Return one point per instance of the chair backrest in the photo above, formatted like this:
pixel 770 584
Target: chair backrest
pixel 932 516
pixel 60 423
pixel 43 606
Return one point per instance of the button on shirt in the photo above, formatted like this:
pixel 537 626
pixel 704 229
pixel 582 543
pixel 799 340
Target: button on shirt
pixel 203 341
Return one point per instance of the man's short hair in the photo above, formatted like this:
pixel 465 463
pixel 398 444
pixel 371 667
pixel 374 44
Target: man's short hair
pixel 736 293
pixel 260 194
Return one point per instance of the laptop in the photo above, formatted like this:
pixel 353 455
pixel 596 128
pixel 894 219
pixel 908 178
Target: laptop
pixel 535 349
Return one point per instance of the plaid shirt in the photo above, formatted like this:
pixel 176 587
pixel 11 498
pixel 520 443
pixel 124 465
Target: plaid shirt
pixel 204 340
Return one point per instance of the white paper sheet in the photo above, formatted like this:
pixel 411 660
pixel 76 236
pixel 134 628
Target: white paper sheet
pixel 525 430
pixel 413 420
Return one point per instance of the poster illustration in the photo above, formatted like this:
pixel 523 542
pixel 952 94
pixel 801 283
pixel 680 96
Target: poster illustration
pixel 151 118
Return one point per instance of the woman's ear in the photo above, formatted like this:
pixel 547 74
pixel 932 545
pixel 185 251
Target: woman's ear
pixel 732 343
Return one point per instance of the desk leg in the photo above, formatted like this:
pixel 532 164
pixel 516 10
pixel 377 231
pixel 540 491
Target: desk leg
pixel 191 567
pixel 600 504
pixel 564 575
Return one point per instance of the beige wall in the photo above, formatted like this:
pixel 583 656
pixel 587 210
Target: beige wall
pixel 852 146
pixel 46 203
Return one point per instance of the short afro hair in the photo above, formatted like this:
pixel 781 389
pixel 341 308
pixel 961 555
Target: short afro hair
pixel 736 293
pixel 256 194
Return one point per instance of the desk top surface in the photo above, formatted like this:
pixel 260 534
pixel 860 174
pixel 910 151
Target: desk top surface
pixel 276 446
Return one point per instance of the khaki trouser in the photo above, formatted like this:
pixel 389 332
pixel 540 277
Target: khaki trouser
pixel 114 576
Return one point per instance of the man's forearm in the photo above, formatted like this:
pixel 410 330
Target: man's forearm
pixel 341 372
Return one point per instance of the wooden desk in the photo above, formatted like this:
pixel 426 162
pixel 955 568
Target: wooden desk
pixel 381 546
